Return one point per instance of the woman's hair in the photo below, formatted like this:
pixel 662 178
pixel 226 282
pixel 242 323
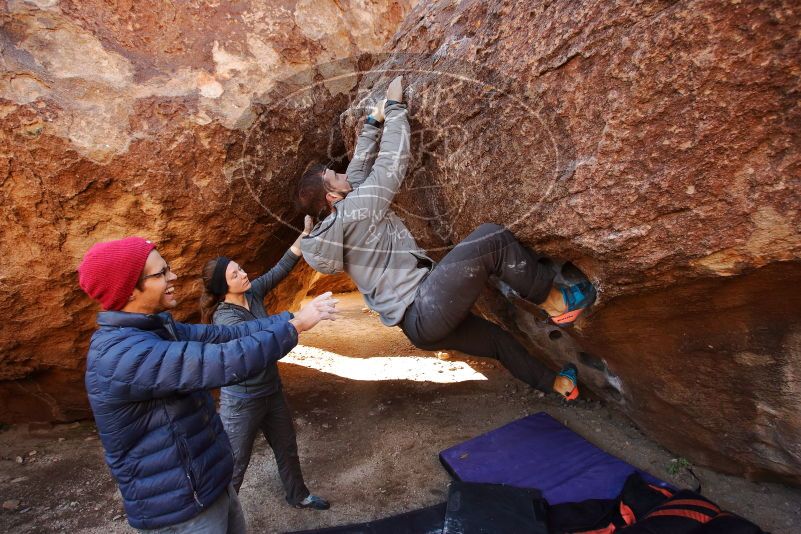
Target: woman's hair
pixel 310 193
pixel 208 300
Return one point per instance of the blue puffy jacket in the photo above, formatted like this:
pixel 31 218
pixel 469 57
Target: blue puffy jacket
pixel 147 378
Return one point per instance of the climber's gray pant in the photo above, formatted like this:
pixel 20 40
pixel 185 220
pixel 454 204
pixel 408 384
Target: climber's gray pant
pixel 440 317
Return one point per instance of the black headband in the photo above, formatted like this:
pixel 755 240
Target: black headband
pixel 219 286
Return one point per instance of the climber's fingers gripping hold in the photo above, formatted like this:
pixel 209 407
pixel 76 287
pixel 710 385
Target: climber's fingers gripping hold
pixel 395 89
pixel 378 111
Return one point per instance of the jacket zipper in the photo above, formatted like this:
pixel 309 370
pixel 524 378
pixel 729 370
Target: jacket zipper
pixel 170 329
pixel 188 470
pixel 183 448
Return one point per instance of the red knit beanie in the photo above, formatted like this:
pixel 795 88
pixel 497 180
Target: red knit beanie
pixel 109 271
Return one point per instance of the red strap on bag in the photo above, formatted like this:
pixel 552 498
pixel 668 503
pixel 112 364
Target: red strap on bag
pixel 666 492
pixel 693 502
pixel 689 514
pixel 606 530
pixel 627 514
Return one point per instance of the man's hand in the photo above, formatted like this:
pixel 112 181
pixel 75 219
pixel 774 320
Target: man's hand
pixel 395 89
pixel 378 111
pixel 321 308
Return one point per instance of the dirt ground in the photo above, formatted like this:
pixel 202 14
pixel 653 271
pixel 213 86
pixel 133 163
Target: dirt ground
pixel 368 439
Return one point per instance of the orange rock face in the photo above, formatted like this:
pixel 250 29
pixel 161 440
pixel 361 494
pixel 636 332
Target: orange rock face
pixel 182 122
pixel 656 145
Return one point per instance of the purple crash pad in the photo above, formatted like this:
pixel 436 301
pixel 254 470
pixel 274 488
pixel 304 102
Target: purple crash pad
pixel 539 452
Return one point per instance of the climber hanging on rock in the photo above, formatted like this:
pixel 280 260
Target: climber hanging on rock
pixel 358 233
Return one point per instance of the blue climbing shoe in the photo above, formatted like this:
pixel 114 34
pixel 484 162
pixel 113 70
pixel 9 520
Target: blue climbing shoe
pixel 570 372
pixel 578 297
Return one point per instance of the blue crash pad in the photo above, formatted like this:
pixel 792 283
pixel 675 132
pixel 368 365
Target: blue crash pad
pixel 539 452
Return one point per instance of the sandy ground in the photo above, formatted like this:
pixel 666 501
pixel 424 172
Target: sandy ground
pixel 369 441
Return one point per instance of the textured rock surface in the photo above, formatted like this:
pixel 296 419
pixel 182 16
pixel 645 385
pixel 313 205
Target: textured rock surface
pixel 656 145
pixel 181 121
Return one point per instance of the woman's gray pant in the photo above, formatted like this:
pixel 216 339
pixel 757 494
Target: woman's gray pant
pixel 440 317
pixel 243 419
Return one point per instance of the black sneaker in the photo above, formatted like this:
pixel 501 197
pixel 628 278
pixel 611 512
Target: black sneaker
pixel 314 502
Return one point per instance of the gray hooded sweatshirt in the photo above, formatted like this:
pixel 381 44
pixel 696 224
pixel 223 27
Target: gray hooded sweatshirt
pixel 362 236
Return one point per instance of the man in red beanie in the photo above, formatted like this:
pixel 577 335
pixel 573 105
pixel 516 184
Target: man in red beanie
pixel 148 376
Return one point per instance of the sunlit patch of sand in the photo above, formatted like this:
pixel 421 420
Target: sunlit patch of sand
pixel 377 368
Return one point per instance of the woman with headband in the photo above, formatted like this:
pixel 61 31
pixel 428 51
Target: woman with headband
pixel 257 404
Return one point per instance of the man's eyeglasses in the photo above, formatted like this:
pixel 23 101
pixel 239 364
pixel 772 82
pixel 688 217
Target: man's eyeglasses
pixel 162 272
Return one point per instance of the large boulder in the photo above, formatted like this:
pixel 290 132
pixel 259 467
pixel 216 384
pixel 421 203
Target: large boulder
pixel 656 146
pixel 183 122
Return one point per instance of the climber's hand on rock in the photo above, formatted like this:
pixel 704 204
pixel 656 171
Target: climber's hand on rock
pixel 321 308
pixel 395 89
pixel 378 111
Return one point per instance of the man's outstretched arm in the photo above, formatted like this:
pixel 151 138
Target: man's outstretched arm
pixel 376 193
pixel 207 333
pixel 146 367
pixel 364 154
